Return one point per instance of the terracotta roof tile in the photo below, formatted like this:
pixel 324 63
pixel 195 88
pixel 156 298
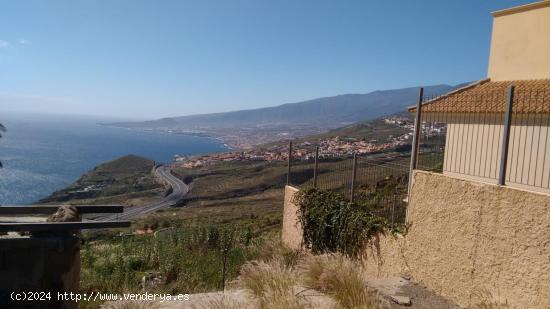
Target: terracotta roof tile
pixel 485 96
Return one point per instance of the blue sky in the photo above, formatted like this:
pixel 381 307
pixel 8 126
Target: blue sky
pixel 149 59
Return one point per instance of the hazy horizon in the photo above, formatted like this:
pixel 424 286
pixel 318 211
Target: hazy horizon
pixel 111 118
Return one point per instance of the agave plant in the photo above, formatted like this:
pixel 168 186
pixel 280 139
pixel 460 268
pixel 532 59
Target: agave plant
pixel 2 129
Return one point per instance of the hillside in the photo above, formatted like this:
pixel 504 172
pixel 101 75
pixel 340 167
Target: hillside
pixel 248 128
pixel 127 180
pixel 329 112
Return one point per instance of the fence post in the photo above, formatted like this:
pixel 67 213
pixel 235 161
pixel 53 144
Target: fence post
pixel 395 198
pixel 289 163
pixel 353 175
pixel 506 136
pixel 415 144
pixel 315 167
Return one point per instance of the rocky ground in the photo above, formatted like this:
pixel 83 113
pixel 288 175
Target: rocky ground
pixel 390 293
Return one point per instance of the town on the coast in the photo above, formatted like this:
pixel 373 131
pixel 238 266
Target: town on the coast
pixel 336 146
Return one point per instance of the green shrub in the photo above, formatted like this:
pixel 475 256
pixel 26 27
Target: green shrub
pixel 333 224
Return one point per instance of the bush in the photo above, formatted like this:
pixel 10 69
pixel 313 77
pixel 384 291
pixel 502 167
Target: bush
pixel 333 224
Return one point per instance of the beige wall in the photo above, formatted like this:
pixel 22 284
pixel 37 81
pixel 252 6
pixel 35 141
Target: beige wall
pixel 469 241
pixel 520 43
pixel 292 234
pixel 529 153
pixel 468 238
pixel 473 150
pixel 472 146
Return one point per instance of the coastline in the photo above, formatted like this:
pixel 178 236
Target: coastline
pixel 42 156
pixel 227 144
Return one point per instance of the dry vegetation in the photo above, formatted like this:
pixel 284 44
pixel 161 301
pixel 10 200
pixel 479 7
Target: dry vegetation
pixel 339 277
pixel 280 282
pixel 272 284
pixel 187 256
pixel 249 195
pixel 242 197
pixel 485 300
pixel 261 212
pixel 234 179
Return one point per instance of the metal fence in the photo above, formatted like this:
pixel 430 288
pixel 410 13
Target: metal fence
pixel 489 132
pixel 378 180
pixel 492 135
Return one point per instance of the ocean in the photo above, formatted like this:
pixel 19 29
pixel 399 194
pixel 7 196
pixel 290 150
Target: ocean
pixel 42 154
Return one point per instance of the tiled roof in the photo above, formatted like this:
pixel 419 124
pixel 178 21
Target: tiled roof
pixel 486 96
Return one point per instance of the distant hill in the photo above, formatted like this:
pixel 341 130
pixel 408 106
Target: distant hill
pixel 127 180
pixel 328 112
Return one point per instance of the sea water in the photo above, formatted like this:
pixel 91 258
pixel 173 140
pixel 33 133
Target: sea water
pixel 44 153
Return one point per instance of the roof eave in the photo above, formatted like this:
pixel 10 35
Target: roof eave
pixel 521 8
pixel 411 109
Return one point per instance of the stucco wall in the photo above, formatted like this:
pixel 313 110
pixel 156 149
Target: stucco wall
pixel 469 241
pixel 292 233
pixel 520 43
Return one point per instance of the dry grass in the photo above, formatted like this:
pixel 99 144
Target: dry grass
pixel 234 179
pixel 270 283
pixel 339 277
pixel 491 305
pixel 275 282
pixel 485 300
pixel 261 212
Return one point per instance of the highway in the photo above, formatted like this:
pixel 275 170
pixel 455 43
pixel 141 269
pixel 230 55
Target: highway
pixel 179 190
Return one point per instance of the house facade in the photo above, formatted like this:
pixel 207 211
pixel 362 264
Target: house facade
pixel 475 114
pixel 520 43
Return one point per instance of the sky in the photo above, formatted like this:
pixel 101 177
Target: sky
pixel 149 59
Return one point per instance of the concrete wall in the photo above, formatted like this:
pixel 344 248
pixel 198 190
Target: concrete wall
pixel 520 43
pixel 292 233
pixel 469 241
pixel 469 238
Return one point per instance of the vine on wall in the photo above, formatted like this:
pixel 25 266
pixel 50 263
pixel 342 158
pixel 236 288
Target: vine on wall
pixel 333 224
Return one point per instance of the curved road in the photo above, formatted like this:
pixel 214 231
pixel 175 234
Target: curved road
pixel 179 190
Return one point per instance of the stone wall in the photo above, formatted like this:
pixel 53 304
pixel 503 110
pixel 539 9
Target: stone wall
pixel 470 242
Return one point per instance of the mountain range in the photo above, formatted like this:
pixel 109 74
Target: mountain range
pixel 327 112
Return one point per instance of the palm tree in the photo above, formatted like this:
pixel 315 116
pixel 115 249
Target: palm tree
pixel 2 129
